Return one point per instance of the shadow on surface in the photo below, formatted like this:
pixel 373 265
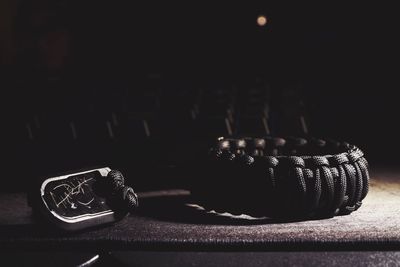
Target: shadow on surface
pixel 181 209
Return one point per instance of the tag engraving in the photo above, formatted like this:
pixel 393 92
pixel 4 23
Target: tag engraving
pixel 73 202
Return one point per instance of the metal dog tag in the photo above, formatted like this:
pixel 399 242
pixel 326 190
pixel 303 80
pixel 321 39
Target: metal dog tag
pixel 75 201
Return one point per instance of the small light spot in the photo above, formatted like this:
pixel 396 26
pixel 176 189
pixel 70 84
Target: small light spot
pixel 262 20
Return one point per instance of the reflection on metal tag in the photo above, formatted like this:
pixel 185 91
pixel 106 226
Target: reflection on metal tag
pixel 74 202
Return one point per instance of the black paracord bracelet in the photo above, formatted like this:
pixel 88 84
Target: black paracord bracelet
pixel 282 177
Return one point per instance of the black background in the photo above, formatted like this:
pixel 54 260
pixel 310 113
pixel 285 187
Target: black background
pixel 344 56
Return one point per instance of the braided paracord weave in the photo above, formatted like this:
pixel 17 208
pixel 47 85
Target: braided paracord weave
pixel 283 177
pixel 126 195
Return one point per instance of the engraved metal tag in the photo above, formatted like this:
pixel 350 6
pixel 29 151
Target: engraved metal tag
pixel 73 203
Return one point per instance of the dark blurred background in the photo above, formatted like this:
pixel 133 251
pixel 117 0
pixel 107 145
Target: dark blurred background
pixel 72 71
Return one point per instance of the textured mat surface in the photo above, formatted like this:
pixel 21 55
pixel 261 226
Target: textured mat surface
pixel 166 221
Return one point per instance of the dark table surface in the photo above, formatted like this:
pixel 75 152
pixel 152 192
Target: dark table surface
pixel 168 230
pixel 168 221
